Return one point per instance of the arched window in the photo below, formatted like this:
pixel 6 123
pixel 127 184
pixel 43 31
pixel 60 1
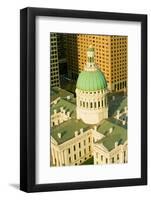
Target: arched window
pixel 87 104
pixel 91 105
pixel 94 104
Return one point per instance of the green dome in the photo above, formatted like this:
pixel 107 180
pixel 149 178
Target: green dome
pixel 91 81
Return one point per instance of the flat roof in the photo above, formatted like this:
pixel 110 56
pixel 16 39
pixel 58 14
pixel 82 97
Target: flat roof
pixel 118 104
pixel 56 92
pixel 68 105
pixel 118 134
pixel 67 130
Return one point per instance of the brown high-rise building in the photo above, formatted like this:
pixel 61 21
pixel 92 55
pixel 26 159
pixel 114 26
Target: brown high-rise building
pixel 110 56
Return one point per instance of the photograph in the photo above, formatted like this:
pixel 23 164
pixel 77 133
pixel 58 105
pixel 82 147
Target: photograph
pixel 88 99
pixel 83 99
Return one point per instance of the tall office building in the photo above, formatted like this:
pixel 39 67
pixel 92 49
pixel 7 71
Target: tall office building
pixel 54 62
pixel 110 56
pixel 61 41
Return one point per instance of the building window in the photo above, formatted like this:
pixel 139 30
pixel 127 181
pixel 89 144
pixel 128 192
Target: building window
pixel 84 151
pixel 117 156
pixel 69 159
pixel 89 148
pixel 89 139
pixel 99 104
pixel 83 104
pixel 91 105
pixel 74 147
pixel 106 160
pixel 96 155
pixel 69 150
pixel 79 145
pixel 84 142
pixel 74 156
pixel 101 158
pixel 79 153
pixel 113 160
pixel 124 156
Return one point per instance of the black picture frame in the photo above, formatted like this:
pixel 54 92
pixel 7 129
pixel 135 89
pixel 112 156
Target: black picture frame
pixel 28 99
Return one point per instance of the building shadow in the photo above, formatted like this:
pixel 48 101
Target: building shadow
pixel 15 186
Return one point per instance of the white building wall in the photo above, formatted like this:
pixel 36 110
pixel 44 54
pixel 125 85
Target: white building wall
pixel 74 151
pixel 118 155
pixel 92 107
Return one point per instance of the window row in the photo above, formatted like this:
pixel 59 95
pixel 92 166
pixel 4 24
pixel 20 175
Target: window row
pixel 121 85
pixel 79 145
pixel 79 155
pixel 95 104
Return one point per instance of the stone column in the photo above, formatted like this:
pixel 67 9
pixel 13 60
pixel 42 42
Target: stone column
pixel 65 157
pixel 53 156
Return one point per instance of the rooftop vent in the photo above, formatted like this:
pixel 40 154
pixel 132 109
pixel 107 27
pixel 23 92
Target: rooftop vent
pixel 81 130
pixel 68 97
pixel 111 130
pixel 59 135
pixel 76 133
pixel 116 144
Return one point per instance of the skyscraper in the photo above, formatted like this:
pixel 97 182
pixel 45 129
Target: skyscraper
pixel 54 62
pixel 110 56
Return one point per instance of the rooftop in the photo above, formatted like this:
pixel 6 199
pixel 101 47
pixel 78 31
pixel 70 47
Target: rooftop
pixel 68 105
pixel 67 130
pixel 118 104
pixel 118 134
pixel 58 92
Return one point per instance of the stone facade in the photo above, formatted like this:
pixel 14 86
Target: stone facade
pixel 74 151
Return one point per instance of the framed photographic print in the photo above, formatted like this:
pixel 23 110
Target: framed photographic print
pixel 83 99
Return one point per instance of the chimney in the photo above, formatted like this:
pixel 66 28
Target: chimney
pixel 59 135
pixel 68 114
pixel 110 130
pixel 116 144
pixel 95 128
pixel 68 97
pixel 123 122
pixel 76 133
pixel 125 108
pixel 61 109
pixel 81 130
pixel 118 113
